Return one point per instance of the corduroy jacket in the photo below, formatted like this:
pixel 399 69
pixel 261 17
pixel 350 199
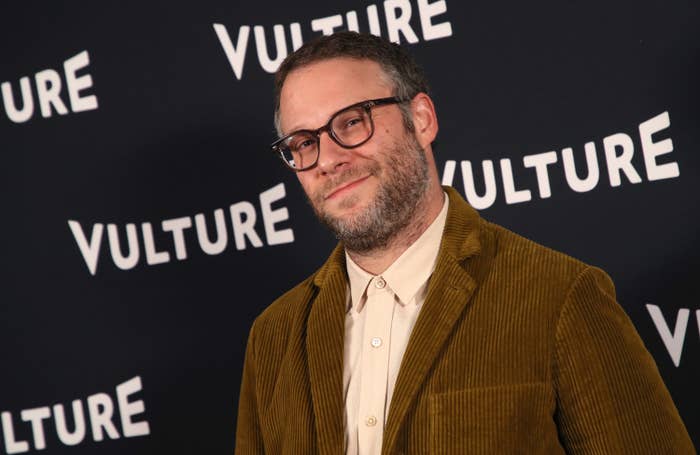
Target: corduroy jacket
pixel 517 349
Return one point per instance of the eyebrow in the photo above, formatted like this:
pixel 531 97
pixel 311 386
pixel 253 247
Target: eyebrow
pixel 292 130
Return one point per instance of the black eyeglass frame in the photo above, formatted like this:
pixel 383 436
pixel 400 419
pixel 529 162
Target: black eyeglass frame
pixel 367 105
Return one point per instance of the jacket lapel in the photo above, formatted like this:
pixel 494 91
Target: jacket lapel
pixel 450 288
pixel 324 344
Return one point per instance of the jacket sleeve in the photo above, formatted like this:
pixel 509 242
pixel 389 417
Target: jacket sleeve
pixel 249 439
pixel 610 396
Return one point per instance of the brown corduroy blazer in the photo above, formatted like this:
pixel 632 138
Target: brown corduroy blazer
pixel 517 349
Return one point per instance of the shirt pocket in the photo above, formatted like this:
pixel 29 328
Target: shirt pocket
pixel 507 419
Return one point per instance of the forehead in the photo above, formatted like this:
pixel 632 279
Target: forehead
pixel 312 93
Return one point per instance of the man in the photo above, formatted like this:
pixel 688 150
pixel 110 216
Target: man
pixel 429 330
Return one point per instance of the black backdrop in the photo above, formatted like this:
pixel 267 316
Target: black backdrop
pixel 136 122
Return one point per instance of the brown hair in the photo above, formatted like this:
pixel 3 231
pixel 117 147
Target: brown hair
pixel 401 70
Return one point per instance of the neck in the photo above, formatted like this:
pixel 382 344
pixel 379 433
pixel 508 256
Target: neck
pixel 378 260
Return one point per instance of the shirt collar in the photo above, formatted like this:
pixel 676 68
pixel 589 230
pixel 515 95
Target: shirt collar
pixel 408 272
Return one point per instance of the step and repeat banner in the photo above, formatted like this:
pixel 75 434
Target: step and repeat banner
pixel 145 223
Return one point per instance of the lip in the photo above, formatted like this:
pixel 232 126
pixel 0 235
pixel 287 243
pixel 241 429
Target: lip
pixel 345 186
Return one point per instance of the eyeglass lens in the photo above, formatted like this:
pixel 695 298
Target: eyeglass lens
pixel 349 128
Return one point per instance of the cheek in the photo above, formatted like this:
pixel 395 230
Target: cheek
pixel 306 184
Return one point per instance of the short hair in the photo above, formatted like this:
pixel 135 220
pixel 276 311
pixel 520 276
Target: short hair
pixel 403 73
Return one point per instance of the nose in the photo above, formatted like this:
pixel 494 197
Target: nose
pixel 331 155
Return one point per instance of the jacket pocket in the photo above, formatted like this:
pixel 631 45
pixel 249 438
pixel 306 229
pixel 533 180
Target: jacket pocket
pixel 502 419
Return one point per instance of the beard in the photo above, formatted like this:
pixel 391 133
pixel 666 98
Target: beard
pixel 403 185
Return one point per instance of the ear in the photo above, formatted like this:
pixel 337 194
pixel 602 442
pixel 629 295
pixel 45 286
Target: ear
pixel 424 119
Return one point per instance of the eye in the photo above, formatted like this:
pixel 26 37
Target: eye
pixel 348 122
pixel 304 144
pixel 299 144
pixel 353 121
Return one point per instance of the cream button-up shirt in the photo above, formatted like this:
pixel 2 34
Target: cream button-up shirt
pixel 381 313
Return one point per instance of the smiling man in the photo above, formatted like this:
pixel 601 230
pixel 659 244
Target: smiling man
pixel 428 329
pixel 374 184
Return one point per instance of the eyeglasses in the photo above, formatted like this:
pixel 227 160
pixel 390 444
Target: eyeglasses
pixel 350 127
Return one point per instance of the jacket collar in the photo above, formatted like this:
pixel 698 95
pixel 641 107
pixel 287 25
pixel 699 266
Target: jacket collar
pixel 450 289
pixel 460 238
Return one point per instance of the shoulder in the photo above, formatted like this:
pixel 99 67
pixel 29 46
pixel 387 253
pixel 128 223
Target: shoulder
pixel 520 253
pixel 279 317
pixel 546 277
pixel 497 249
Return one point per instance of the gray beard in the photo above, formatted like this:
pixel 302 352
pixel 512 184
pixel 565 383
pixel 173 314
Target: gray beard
pixel 397 204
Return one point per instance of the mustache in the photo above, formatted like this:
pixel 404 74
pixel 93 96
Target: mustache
pixel 341 179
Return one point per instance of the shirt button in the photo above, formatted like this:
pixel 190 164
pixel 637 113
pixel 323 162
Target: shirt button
pixel 371 421
pixel 380 283
pixel 376 342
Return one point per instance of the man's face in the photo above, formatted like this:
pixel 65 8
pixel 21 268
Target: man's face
pixel 365 194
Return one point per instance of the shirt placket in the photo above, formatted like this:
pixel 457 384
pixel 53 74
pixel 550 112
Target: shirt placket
pixel 375 366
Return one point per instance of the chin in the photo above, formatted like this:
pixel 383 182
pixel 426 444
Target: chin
pixel 353 204
pixel 347 209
